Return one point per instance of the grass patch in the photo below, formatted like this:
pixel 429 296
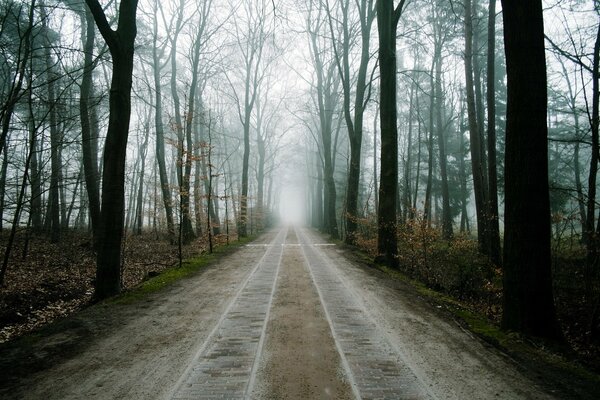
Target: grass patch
pixel 189 267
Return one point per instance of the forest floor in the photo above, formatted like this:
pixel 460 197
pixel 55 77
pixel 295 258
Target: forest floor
pixel 52 280
pixel 287 316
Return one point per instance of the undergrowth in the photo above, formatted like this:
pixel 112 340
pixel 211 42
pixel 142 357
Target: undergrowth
pixel 453 271
pixel 175 273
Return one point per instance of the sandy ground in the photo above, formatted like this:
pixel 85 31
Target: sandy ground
pixel 299 360
pixel 449 361
pixel 136 351
pixel 140 351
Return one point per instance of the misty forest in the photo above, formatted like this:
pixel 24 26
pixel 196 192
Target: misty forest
pixel 454 144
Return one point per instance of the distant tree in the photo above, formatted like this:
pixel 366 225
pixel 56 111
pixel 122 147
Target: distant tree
pixel 121 45
pixel 252 33
pixel 326 91
pixel 387 239
pixel 528 299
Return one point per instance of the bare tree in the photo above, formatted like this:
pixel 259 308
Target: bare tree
pixel 354 119
pixel 121 45
pixel 252 33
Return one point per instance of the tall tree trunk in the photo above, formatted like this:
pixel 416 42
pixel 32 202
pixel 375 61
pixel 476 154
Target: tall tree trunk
pixel 3 174
pixel 528 300
pixel 427 214
pixel 418 171
pixel 205 148
pixel 464 198
pixel 184 145
pixel 36 185
pixel 139 206
pixel 326 89
pixel 493 223
pixel 89 152
pixel 447 231
pixel 593 244
pixel 160 131
pixel 474 135
pixel 387 239
pixel 121 45
pixel 375 184
pixel 354 122
pixel 260 182
pixel 55 141
pixel 319 206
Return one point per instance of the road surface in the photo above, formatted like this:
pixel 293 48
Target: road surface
pixel 286 317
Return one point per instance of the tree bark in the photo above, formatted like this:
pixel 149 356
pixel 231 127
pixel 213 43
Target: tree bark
pixel 160 131
pixel 354 121
pixel 493 223
pixel 474 135
pixel 387 239
pixel 183 131
pixel 593 244
pixel 447 231
pixel 121 45
pixel 53 217
pixel 528 299
pixel 90 154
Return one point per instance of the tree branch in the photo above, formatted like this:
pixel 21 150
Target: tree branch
pixel 398 12
pixel 102 23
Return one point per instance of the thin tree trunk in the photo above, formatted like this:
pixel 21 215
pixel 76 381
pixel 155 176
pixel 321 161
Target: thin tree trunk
pixel 160 132
pixel 476 160
pixel 55 141
pixel 89 152
pixel 493 223
pixel 447 231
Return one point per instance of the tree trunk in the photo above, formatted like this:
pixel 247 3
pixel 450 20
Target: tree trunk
pixel 139 207
pixel 184 145
pixel 528 300
pixel 354 122
pixel 242 225
pixel 474 135
pixel 387 239
pixel 160 132
pixel 493 223
pixel 121 46
pixel 593 244
pixel 430 156
pixel 90 154
pixel 447 232
pixel 55 140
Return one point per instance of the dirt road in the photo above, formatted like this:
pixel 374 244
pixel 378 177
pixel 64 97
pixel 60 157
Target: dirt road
pixel 286 317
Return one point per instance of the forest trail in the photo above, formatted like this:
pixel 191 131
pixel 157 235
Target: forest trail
pixel 288 316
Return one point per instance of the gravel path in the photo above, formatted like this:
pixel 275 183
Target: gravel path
pixel 287 317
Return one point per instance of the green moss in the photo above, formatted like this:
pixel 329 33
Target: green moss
pixel 189 267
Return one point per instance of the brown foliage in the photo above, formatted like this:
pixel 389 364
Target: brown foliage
pixel 456 268
pixel 54 280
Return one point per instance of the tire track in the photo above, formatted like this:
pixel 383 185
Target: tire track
pixel 375 368
pixel 226 363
